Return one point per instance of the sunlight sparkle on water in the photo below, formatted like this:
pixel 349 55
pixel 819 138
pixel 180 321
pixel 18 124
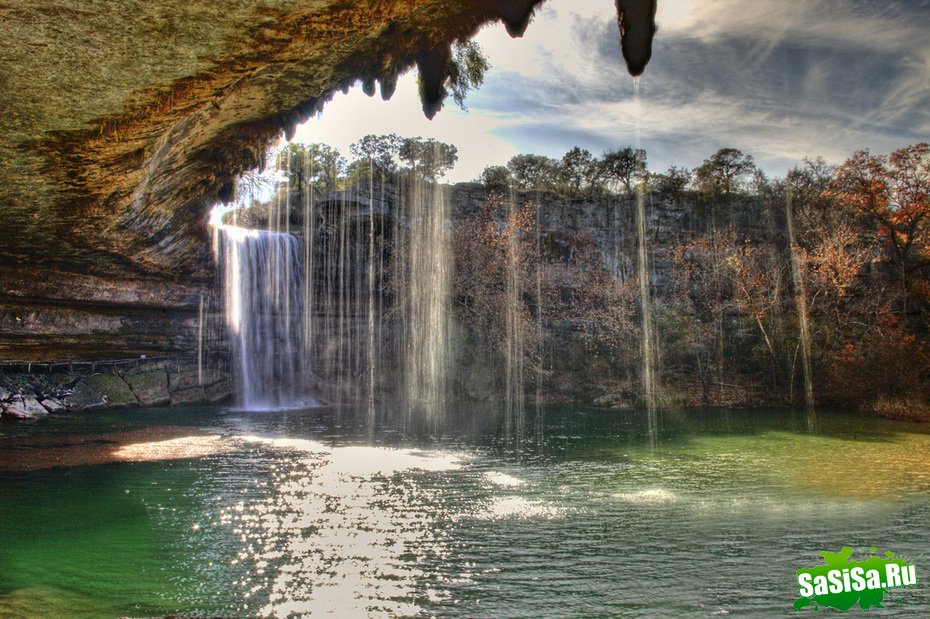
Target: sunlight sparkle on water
pixel 352 544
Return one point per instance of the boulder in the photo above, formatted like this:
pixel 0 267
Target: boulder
pixel 187 377
pixel 100 391
pixel 617 398
pixel 479 382
pixel 24 407
pixel 52 405
pixel 193 395
pixel 220 391
pixel 151 388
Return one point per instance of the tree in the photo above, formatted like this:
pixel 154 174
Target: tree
pixel 673 182
pixel 725 172
pixel 703 289
pixel 455 71
pixel 533 171
pixel 467 67
pixel 492 253
pixel 319 165
pixel 815 210
pixel 427 158
pixel 624 167
pixel 496 177
pixel 756 280
pixel 381 150
pixel 577 169
pixel 893 194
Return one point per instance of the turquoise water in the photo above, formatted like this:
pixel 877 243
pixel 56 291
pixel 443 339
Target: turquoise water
pixel 207 511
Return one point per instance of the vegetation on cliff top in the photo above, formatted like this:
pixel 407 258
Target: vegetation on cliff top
pixel 727 302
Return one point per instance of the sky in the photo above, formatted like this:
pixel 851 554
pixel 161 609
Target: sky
pixel 781 80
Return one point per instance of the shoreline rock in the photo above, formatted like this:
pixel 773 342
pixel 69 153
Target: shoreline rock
pixel 154 383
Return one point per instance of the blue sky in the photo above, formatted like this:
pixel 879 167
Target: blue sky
pixel 781 80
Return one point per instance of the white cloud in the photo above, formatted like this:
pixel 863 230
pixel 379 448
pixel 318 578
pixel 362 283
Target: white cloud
pixel 781 80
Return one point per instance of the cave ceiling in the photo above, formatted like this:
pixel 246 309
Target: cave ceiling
pixel 124 120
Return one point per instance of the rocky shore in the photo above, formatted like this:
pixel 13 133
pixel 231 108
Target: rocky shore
pixel 33 392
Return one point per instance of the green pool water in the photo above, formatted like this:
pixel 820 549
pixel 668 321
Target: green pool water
pixel 223 513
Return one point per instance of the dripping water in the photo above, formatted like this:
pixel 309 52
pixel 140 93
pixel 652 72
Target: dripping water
pixel 372 361
pixel 539 325
pixel 514 363
pixel 200 341
pixel 427 289
pixel 647 338
pixel 800 298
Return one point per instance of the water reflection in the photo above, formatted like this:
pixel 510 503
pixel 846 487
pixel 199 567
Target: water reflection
pixel 297 514
pixel 346 531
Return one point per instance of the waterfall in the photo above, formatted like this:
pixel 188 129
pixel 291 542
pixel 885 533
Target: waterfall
pixel 804 338
pixel 514 388
pixel 427 313
pixel 647 340
pixel 263 286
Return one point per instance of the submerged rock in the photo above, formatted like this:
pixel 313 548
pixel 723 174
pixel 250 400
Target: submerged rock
pixel 188 377
pixel 211 386
pixel 52 405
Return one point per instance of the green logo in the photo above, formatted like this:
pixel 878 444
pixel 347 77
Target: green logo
pixel 841 583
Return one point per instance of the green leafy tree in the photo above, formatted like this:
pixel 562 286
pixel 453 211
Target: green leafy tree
pixel 578 170
pixel 673 182
pixel 467 67
pixel 464 70
pixel 725 172
pixel 427 158
pixel 380 150
pixel 496 178
pixel 624 168
pixel 319 165
pixel 533 172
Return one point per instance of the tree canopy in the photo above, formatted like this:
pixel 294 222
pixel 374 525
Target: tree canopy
pixel 725 172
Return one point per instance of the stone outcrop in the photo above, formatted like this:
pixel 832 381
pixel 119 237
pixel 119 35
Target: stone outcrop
pixel 31 395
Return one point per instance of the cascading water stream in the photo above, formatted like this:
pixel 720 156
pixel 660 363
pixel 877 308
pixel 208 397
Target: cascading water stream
pixel 427 286
pixel 648 374
pixel 514 360
pixel 263 286
pixel 800 296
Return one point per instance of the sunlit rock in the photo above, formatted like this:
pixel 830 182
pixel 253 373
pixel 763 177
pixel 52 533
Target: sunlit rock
pixel 24 407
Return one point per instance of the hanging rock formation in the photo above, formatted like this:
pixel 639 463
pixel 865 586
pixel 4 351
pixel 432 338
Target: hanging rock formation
pixel 636 19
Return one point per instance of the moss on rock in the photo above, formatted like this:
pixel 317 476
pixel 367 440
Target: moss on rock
pixel 101 391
